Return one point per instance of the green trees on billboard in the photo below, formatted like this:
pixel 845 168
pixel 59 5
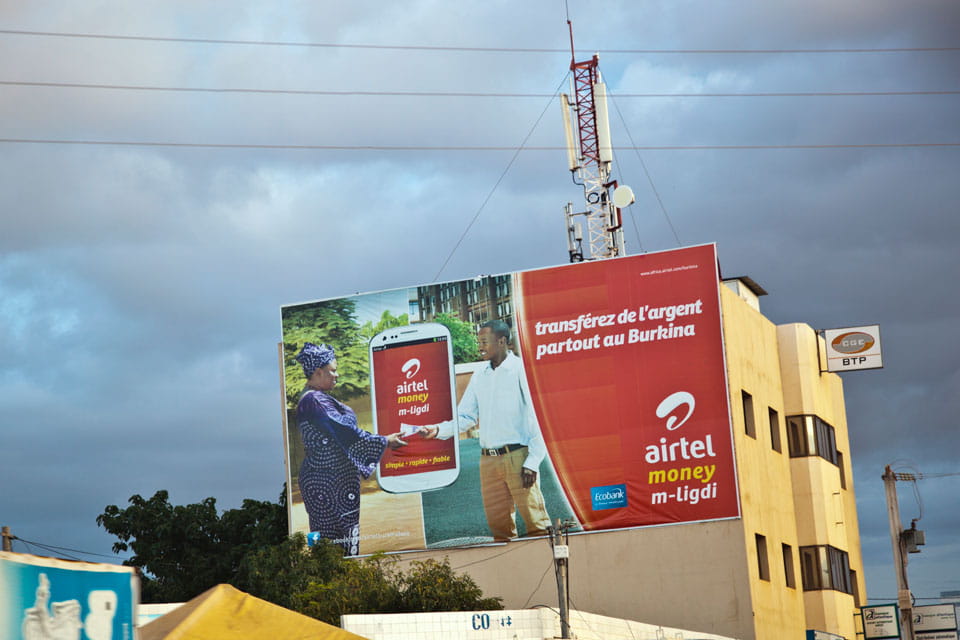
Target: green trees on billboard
pixel 334 322
pixel 387 321
pixel 330 322
pixel 464 338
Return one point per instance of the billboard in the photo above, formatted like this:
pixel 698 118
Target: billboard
pixel 593 392
pixel 881 621
pixel 853 348
pixel 48 598
pixel 935 622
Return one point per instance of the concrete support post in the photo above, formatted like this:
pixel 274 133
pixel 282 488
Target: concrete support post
pixel 904 598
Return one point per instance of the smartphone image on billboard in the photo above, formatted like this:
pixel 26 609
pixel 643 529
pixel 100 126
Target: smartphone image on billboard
pixel 412 386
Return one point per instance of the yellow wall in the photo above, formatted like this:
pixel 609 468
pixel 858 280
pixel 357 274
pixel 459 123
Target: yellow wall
pixel 826 512
pixel 766 499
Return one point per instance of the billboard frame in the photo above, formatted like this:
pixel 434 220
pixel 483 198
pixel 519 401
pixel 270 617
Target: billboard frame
pixel 667 267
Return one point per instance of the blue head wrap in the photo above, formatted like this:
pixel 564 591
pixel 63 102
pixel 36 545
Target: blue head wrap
pixel 312 357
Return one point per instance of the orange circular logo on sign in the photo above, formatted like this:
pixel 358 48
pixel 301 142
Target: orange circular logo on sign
pixel 853 342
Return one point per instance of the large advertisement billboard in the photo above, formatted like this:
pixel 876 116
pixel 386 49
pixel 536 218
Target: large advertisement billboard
pixel 474 411
pixel 48 598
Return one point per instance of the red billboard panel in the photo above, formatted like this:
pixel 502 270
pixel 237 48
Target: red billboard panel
pixel 594 392
pixel 404 400
pixel 627 372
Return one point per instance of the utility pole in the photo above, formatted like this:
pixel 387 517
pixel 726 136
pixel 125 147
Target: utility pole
pixel 904 597
pixel 7 539
pixel 561 562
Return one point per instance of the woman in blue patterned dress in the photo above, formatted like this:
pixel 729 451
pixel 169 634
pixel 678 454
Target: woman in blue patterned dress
pixel 338 452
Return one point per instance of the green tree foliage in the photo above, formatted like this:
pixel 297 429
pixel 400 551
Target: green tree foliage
pixel 367 585
pixel 330 322
pixel 184 550
pixel 320 583
pixel 433 586
pixel 463 336
pixel 387 321
pixel 280 573
pixel 334 322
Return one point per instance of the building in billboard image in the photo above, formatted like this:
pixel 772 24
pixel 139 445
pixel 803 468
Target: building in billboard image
pixel 693 449
pixel 475 301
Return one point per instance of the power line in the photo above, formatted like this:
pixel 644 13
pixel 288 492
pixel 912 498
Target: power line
pixel 586 622
pixel 894 599
pixel 333 45
pixel 510 549
pixel 44 547
pixel 499 180
pixel 537 588
pixel 61 549
pixel 646 172
pixel 8 539
pixel 471 148
pixel 922 476
pixel 789 94
pixel 468 94
pixel 315 92
pixel 630 209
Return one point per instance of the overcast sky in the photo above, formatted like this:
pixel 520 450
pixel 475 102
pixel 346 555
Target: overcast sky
pixel 140 286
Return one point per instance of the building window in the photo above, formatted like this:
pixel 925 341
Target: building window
pixel 774 428
pixel 843 476
pixel 811 436
pixel 788 572
pixel 825 567
pixel 763 562
pixel 748 422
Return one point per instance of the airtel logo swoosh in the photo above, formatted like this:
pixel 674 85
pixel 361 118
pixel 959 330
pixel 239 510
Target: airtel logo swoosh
pixel 411 367
pixel 675 401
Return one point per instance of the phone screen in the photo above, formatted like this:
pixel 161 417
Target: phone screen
pixel 413 389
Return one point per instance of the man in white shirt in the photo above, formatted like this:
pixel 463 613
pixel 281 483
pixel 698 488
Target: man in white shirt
pixel 511 445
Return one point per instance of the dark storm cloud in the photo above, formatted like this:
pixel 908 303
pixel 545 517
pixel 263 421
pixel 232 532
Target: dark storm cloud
pixel 140 287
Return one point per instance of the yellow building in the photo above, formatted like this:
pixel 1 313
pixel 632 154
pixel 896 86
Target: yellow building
pixel 789 564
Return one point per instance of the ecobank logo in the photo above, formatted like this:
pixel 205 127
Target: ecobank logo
pixel 612 496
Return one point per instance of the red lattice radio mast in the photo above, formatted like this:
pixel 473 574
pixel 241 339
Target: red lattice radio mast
pixel 590 159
